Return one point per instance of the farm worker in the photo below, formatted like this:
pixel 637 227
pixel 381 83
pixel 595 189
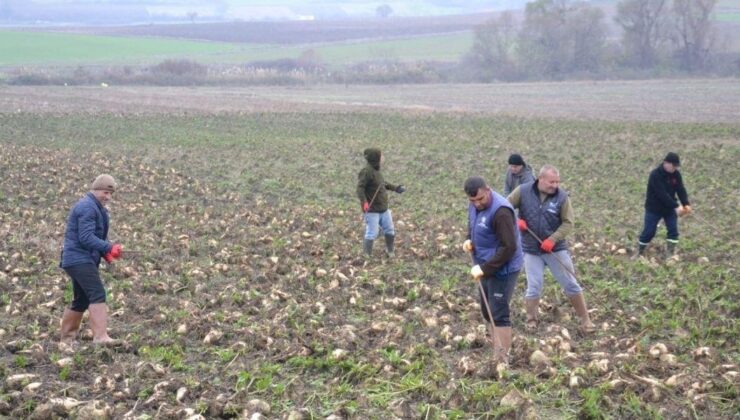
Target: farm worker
pixel 496 247
pixel 85 243
pixel 660 203
pixel 546 218
pixel 517 174
pixel 371 190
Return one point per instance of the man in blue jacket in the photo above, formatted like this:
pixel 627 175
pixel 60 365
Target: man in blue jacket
pixel 85 243
pixel 664 184
pixel 497 253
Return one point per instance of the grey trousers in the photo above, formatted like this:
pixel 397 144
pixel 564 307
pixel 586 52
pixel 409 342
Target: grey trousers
pixel 535 268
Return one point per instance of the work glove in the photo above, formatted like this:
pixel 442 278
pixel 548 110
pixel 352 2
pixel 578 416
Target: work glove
pixel 365 206
pixel 115 253
pixel 468 246
pixel 547 245
pixel 522 224
pixel 476 272
pixel 400 189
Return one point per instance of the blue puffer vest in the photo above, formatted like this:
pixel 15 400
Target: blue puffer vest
pixel 484 238
pixel 86 234
pixel 542 217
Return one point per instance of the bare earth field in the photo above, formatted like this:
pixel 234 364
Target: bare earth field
pixel 664 100
pixel 243 294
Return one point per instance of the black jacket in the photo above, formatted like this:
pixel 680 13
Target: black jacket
pixel 662 189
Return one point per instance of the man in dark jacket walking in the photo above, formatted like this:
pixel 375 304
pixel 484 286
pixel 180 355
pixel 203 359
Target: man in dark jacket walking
pixel 496 247
pixel 664 184
pixel 85 243
pixel 518 173
pixel 371 190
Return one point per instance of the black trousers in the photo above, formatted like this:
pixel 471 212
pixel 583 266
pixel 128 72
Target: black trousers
pixel 499 291
pixel 86 285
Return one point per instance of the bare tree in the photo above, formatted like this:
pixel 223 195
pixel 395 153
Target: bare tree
pixel 309 59
pixel 642 22
pixel 588 32
pixel 559 37
pixel 383 11
pixel 494 49
pixel 694 34
pixel 543 37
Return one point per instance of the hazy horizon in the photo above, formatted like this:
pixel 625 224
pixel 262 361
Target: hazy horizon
pixel 154 11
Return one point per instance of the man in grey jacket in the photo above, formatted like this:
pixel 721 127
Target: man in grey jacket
pixel 518 173
pixel 545 219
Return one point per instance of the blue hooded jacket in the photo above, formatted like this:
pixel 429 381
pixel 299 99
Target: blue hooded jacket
pixel 85 240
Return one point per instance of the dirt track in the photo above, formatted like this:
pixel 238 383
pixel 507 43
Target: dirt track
pixel 661 100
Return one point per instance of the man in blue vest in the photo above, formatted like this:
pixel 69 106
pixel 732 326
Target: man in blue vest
pixel 85 243
pixel 546 218
pixel 664 183
pixel 497 253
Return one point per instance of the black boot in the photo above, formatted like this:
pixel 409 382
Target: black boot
pixel 640 250
pixel 389 247
pixel 670 248
pixel 367 246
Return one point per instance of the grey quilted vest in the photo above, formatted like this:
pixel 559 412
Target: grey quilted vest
pixel 543 218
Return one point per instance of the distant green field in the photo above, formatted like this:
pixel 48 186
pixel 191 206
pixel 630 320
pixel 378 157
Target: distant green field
pixel 727 16
pixel 445 47
pixel 22 48
pixel 42 48
pixel 727 11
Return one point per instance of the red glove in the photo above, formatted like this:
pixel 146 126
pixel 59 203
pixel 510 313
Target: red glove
pixel 365 206
pixel 114 254
pixel 522 225
pixel 547 245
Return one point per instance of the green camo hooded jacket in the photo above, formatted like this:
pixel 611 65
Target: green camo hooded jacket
pixel 370 181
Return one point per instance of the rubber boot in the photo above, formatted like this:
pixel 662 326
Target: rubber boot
pixel 367 246
pixel 504 343
pixel 99 322
pixel 532 306
pixel 640 251
pixel 579 303
pixel 389 246
pixel 70 325
pixel 670 248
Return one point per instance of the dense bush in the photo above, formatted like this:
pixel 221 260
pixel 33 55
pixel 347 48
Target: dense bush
pixel 183 68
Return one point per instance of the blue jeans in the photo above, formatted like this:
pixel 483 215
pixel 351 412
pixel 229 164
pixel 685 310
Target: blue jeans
pixel 651 225
pixel 375 220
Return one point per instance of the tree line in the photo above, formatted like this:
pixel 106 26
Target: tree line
pixel 559 38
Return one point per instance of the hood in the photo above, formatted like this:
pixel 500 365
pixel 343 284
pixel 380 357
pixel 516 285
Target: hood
pixel 372 156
